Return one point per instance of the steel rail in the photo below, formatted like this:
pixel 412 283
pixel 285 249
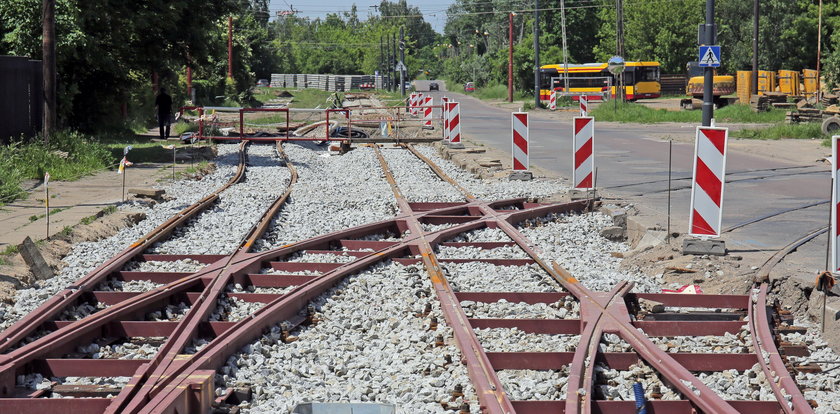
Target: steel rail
pixel 774 214
pixel 763 273
pixel 782 384
pixel 27 325
pixel 80 328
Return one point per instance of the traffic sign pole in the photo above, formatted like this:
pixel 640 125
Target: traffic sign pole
pixel 709 75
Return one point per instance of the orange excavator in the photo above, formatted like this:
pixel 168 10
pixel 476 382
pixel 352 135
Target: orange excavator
pixel 723 85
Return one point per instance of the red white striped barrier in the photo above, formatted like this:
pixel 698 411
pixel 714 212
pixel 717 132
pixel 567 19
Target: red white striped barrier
pixel 552 101
pixel 708 182
pixel 445 117
pixel 427 111
pixel 584 105
pixel 519 135
pixel 583 159
pixel 453 113
pixel 412 102
pixel 835 201
pixel 418 100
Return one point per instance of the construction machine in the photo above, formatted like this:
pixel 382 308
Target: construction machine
pixel 723 85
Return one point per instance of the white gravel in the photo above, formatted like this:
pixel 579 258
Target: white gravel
pixel 568 308
pixel 417 182
pixel 328 196
pixel 574 242
pixel 821 387
pixel 495 189
pixel 515 340
pixel 184 265
pixel 379 351
pixel 220 228
pixel 527 384
pixel 487 277
pixel 86 256
pixel 234 309
pixel 504 252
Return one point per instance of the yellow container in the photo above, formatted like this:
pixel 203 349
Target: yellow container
pixel 744 86
pixel 789 82
pixel 766 81
pixel 809 79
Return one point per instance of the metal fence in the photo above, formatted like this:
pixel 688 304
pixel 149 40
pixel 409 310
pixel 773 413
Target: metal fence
pixel 21 89
pixel 673 84
pixel 335 83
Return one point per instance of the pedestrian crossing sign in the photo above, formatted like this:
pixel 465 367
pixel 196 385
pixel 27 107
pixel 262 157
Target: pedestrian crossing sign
pixel 709 56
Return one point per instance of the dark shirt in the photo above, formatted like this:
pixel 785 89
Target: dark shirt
pixel 163 103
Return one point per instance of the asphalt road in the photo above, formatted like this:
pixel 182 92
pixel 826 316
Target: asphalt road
pixel 634 166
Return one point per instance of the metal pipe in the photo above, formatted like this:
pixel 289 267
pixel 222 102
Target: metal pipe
pixel 709 73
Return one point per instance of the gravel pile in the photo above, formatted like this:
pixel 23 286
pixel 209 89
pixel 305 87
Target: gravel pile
pixel 238 288
pixel 184 265
pixel 495 189
pixel 417 182
pixel 487 277
pixel 574 242
pixel 327 196
pixel 234 309
pixel 379 350
pixel 85 256
pixel 568 308
pixel 39 382
pixel 739 385
pixel 515 340
pixel 81 311
pixel 618 385
pixel 739 343
pixel 481 235
pixel 505 252
pixel 125 350
pixel 169 313
pixel 527 384
pixel 221 228
pixel 116 285
pixel 321 258
pixel 821 387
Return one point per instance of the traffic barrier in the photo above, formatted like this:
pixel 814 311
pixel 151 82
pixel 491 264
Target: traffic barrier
pixel 453 113
pixel 520 138
pixel 835 202
pixel 428 101
pixel 418 100
pixel 444 101
pixel 708 181
pixel 584 105
pixel 552 101
pixel 583 159
pixel 412 102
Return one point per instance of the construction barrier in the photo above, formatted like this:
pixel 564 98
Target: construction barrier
pixel 444 101
pixel 520 138
pixel 835 203
pixel 453 115
pixel 584 105
pixel 809 81
pixel 708 182
pixel 744 86
pixel 583 159
pixel 552 101
pixel 428 103
pixel 766 81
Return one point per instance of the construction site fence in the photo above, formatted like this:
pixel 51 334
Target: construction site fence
pixel 334 83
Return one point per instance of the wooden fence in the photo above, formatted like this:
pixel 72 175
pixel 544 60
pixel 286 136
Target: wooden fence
pixel 21 105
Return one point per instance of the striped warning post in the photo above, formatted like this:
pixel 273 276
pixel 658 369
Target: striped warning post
pixel 412 101
pixel 708 181
pixel 453 112
pixel 418 100
pixel 835 202
pixel 584 105
pixel 583 141
pixel 428 101
pixel 445 117
pixel 520 138
pixel 552 101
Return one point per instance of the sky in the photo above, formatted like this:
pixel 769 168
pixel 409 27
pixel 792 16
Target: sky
pixel 434 11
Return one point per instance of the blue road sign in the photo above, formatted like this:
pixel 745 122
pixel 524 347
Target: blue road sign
pixel 709 56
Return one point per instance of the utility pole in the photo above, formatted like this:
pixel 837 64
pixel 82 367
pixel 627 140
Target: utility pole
pixel 394 61
pixel 510 56
pixel 619 46
pixel 402 61
pixel 49 68
pixel 230 46
pixel 565 48
pixel 536 53
pixel 819 50
pixel 709 72
pixel 755 48
pixel 381 60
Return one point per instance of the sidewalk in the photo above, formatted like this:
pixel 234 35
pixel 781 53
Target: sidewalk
pixel 82 198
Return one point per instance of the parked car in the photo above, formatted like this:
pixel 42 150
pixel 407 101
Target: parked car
pixel 469 87
pixel 263 83
pixel 434 86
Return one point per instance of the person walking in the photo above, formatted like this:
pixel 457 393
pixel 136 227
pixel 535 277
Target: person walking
pixel 163 102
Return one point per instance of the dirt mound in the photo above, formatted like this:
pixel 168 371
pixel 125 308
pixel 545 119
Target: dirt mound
pixel 285 94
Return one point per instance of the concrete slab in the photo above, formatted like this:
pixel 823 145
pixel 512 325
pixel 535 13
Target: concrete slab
pixel 33 258
pixel 704 247
pixel 583 194
pixel 521 176
pixel 456 145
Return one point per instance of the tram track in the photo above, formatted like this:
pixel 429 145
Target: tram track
pixel 445 239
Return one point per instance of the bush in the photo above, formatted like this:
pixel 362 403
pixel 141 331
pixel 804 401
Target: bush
pixel 69 156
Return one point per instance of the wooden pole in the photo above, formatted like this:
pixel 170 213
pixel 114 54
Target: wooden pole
pixel 49 68
pixel 230 46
